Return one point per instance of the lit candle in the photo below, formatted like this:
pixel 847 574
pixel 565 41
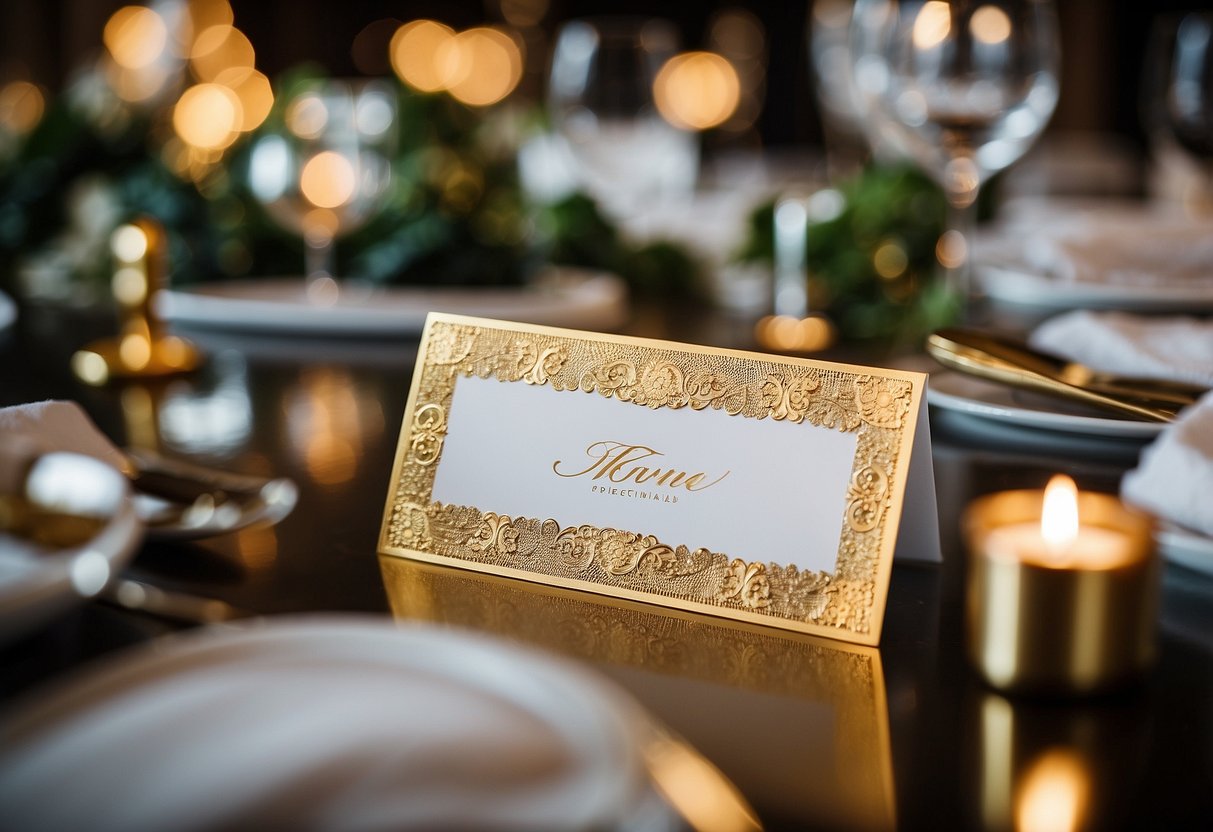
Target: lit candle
pixel 1061 589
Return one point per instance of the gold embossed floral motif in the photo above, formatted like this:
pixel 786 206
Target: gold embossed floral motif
pixel 883 402
pixel 429 430
pixel 865 498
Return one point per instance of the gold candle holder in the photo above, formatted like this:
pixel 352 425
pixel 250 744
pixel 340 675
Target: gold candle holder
pixel 1061 591
pixel 141 349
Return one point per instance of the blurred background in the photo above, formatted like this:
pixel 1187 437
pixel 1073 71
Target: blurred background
pixel 475 143
pixel 1104 43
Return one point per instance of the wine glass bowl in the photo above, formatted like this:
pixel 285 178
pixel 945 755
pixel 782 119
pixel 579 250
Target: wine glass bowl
pixel 1186 97
pixel 962 88
pixel 327 170
pixel 601 101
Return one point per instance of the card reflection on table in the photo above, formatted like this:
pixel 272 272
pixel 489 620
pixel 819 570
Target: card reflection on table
pixel 799 723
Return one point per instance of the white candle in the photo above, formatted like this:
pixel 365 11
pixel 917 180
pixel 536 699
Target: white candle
pixel 1059 540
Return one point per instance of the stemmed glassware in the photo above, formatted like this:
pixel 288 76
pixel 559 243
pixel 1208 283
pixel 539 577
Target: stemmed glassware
pixel 327 171
pixel 1178 89
pixel 602 105
pixel 964 88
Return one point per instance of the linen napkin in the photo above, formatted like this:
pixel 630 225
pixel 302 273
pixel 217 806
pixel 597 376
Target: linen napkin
pixel 330 723
pixel 1174 348
pixel 1118 245
pixel 39 580
pixel 1174 479
pixel 59 426
pixel 1165 255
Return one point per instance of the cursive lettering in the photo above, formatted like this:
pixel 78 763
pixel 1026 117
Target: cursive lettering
pixel 618 462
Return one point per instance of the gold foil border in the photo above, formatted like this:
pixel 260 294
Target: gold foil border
pixel 873 407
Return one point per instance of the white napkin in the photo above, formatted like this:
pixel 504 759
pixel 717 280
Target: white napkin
pixel 59 426
pixel 1175 348
pixel 329 723
pixel 1122 247
pixel 1166 256
pixel 1174 479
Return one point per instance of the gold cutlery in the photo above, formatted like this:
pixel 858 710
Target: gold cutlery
pixel 1009 361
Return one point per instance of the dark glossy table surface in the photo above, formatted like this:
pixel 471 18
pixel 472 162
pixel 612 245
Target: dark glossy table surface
pixel 816 735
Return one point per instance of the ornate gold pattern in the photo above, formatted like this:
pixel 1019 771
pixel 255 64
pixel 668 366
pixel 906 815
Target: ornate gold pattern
pixel 429 432
pixel 873 407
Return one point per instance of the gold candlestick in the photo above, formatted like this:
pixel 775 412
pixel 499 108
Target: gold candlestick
pixel 1062 604
pixel 141 349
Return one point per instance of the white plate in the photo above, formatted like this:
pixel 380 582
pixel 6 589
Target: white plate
pixel 280 306
pixel 36 584
pixel 1189 549
pixel 1008 279
pixel 330 722
pixel 965 394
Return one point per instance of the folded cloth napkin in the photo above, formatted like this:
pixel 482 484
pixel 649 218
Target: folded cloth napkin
pixel 1164 255
pixel 1175 348
pixel 59 426
pixel 330 723
pixel 1174 479
pixel 1120 245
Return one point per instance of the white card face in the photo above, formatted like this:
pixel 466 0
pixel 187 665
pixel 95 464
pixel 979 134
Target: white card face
pixel 679 475
pixel 754 487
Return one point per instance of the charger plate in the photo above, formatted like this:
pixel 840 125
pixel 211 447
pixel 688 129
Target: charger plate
pixel 280 306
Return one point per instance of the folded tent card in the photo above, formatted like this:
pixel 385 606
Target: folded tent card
pixel 761 488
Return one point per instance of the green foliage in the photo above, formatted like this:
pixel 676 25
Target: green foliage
pixel 895 209
pixel 455 213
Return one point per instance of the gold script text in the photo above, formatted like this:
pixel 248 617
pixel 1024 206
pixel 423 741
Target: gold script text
pixel 617 462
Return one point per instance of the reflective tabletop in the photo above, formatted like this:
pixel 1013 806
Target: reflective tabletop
pixel 817 734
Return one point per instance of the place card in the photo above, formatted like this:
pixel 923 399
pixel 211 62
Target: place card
pixel 755 487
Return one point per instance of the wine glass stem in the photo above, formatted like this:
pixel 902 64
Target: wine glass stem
pixel 962 221
pixel 318 256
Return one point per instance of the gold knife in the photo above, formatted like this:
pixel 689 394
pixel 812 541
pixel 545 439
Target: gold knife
pixel 1012 362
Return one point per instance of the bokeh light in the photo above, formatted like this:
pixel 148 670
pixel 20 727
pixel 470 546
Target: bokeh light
pixel 890 260
pixel 208 116
pixel 786 333
pixel 990 24
pixel 932 25
pixel 307 116
pixel 414 53
pixel 218 49
pixel 21 107
pixel 207 13
pixel 328 180
pixel 480 66
pixel 951 250
pixel 254 92
pixel 136 36
pixel 697 90
pixel 1054 794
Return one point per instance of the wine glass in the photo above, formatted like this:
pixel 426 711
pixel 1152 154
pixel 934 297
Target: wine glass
pixel 1178 90
pixel 964 88
pixel 327 170
pixel 600 97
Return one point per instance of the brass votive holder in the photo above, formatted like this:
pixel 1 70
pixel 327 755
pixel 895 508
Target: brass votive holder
pixel 1067 622
pixel 141 348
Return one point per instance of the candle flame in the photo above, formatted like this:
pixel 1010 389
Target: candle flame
pixel 1059 516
